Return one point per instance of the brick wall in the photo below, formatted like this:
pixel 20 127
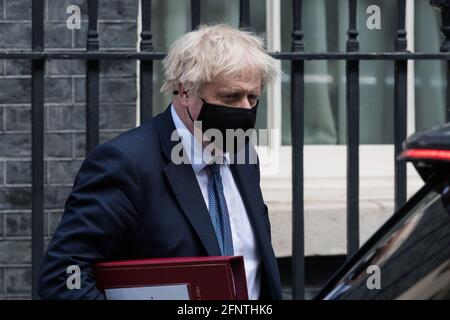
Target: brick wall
pixel 64 119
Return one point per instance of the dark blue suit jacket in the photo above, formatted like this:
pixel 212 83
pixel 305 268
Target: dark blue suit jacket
pixel 129 201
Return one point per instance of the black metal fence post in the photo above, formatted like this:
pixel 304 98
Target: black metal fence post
pixel 37 145
pixel 297 132
pixel 146 66
pixel 92 80
pixel 444 6
pixel 195 14
pixel 352 96
pixel 400 106
pixel 244 13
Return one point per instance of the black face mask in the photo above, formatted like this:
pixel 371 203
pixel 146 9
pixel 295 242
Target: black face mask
pixel 221 117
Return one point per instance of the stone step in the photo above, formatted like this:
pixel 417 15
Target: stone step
pixel 325 225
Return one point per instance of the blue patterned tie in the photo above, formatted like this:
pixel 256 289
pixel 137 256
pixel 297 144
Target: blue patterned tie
pixel 219 212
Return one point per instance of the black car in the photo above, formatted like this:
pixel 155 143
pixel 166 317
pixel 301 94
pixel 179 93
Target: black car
pixel 409 256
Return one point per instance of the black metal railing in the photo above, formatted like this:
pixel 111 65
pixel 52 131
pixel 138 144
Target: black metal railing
pixel 92 79
pixel 297 121
pixel 297 56
pixel 400 106
pixel 37 142
pixel 352 98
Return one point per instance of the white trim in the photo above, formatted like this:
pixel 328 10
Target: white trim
pixel 411 90
pixel 322 161
pixel 138 66
pixel 273 30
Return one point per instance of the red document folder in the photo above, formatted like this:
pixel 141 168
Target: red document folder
pixel 203 278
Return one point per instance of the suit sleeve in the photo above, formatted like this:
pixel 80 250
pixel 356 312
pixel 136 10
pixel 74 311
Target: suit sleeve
pixel 100 217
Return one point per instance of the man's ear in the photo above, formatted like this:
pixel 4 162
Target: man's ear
pixel 184 95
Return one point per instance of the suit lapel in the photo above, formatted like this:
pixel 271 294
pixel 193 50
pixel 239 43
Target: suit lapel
pixel 182 180
pixel 187 191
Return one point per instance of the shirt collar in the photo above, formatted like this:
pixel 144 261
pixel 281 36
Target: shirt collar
pixel 193 145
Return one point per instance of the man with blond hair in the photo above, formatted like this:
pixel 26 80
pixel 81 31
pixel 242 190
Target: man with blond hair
pixel 154 191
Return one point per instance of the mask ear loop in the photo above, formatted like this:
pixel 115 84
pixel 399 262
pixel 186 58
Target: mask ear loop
pixel 176 92
pixel 190 116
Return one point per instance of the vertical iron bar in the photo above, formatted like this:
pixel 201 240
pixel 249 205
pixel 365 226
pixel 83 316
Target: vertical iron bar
pixel 146 66
pixel 37 145
pixel 448 91
pixel 352 96
pixel 444 6
pixel 400 107
pixel 445 14
pixel 92 80
pixel 195 14
pixel 297 132
pixel 244 13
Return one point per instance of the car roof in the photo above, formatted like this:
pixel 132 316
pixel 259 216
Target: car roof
pixel 429 151
pixel 434 138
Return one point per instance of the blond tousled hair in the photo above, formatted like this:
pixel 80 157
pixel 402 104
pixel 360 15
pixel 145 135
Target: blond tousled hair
pixel 201 55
